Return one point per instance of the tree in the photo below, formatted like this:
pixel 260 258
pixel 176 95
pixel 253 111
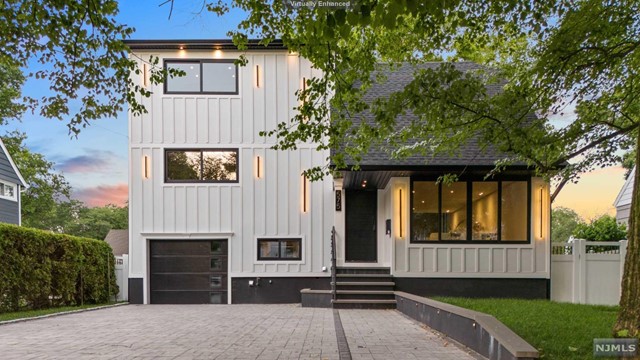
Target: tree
pixel 547 57
pixel 46 203
pixel 628 162
pixel 563 223
pixel 96 222
pixel 77 49
pixel 603 228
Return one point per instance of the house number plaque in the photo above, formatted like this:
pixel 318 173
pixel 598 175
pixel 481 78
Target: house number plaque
pixel 338 200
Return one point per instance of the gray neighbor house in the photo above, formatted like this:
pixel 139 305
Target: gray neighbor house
pixel 11 185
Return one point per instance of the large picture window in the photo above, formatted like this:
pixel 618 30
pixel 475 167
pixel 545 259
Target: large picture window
pixel 205 76
pixel 279 249
pixel 475 211
pixel 201 165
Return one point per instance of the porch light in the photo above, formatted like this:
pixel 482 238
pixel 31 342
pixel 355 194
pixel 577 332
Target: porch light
pixel 541 190
pixel 258 165
pixel 145 78
pixel 364 183
pixel 146 167
pixel 400 210
pixel 217 53
pixel 257 73
pixel 304 193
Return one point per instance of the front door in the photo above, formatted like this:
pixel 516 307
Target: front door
pixel 360 239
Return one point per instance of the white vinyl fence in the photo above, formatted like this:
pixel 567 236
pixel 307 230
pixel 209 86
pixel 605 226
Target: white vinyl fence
pixel 122 277
pixel 587 272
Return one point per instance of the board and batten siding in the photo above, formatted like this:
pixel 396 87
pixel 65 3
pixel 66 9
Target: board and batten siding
pixel 270 206
pixel 472 260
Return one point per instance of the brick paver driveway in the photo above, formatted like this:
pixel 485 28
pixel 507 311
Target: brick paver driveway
pixel 222 332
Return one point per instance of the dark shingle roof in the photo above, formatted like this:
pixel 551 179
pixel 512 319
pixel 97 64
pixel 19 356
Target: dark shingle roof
pixel 470 154
pixel 119 241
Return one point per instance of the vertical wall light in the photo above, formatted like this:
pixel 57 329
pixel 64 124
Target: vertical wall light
pixel 305 190
pixel 401 220
pixel 541 210
pixel 258 166
pixel 257 79
pixel 145 76
pixel 146 167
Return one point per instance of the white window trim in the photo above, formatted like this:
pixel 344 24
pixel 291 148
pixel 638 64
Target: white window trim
pixel 15 191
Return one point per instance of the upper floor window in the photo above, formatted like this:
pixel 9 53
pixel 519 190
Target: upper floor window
pixel 470 211
pixel 206 76
pixel 201 165
pixel 8 191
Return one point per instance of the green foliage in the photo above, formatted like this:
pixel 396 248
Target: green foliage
pixel 563 223
pixel 96 222
pixel 604 228
pixel 41 312
pixel 48 189
pixel 11 80
pixel 558 330
pixel 628 162
pixel 41 269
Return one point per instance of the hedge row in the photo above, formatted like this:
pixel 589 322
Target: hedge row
pixel 40 269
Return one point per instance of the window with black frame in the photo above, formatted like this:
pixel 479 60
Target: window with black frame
pixel 279 249
pixel 473 211
pixel 201 165
pixel 202 76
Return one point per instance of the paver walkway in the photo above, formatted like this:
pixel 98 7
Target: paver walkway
pixel 221 332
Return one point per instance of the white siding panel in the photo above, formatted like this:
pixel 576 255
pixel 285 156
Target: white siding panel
pixel 284 192
pixel 157 122
pixel 191 120
pixel 202 121
pixel 484 260
pixel 225 121
pixel 271 96
pixel 203 209
pixel 236 224
pixel 470 264
pixel 214 120
pixel 282 89
pixel 147 191
pixel 169 210
pixel 146 125
pixel 215 207
pixel 192 209
pixel 271 210
pixel 247 92
pixel 429 257
pixel 498 260
pixel 414 259
pixel 442 256
pixel 457 260
pixel 526 260
pixel 512 260
pixel 236 121
pixel 157 178
pixel 258 108
pixel 168 127
pixel 181 209
pixel 180 125
pixel 225 209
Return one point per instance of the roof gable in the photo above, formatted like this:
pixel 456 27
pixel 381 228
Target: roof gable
pixel 626 192
pixel 8 169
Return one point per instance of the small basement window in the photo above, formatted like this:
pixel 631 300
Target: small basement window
pixel 201 165
pixel 206 76
pixel 279 249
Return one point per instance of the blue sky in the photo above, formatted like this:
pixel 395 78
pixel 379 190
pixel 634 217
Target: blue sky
pixel 96 163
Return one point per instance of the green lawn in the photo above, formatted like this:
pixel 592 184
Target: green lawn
pixel 557 330
pixel 34 313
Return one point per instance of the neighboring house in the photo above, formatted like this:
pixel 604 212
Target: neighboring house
pixel 11 185
pixel 216 216
pixel 623 200
pixel 119 241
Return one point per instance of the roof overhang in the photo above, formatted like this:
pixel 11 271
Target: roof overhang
pixel 203 44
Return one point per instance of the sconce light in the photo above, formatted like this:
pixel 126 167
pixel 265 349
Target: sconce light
pixel 541 210
pixel 400 210
pixel 258 174
pixel 257 76
pixel 145 78
pixel 146 171
pixel 304 84
pixel 304 193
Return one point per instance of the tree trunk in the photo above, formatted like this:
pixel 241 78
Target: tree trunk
pixel 628 323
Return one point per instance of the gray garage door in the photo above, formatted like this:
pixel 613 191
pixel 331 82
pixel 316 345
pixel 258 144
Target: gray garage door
pixel 188 272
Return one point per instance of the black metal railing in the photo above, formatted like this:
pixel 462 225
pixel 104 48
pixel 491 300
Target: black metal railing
pixel 333 263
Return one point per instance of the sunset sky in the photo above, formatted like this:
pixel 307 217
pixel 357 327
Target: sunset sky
pixel 96 165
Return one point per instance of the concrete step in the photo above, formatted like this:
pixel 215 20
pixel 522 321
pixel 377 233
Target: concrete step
pixel 364 304
pixel 362 270
pixel 364 277
pixel 364 283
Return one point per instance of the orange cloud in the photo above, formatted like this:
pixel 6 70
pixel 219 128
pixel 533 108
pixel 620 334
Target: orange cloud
pixel 103 195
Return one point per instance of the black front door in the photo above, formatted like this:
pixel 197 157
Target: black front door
pixel 360 239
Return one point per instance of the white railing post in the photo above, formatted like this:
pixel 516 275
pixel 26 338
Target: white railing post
pixel 623 257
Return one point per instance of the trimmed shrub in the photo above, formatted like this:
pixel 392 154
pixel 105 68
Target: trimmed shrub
pixel 40 269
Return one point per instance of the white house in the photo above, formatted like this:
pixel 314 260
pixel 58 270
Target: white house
pixel 11 185
pixel 216 216
pixel 623 200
